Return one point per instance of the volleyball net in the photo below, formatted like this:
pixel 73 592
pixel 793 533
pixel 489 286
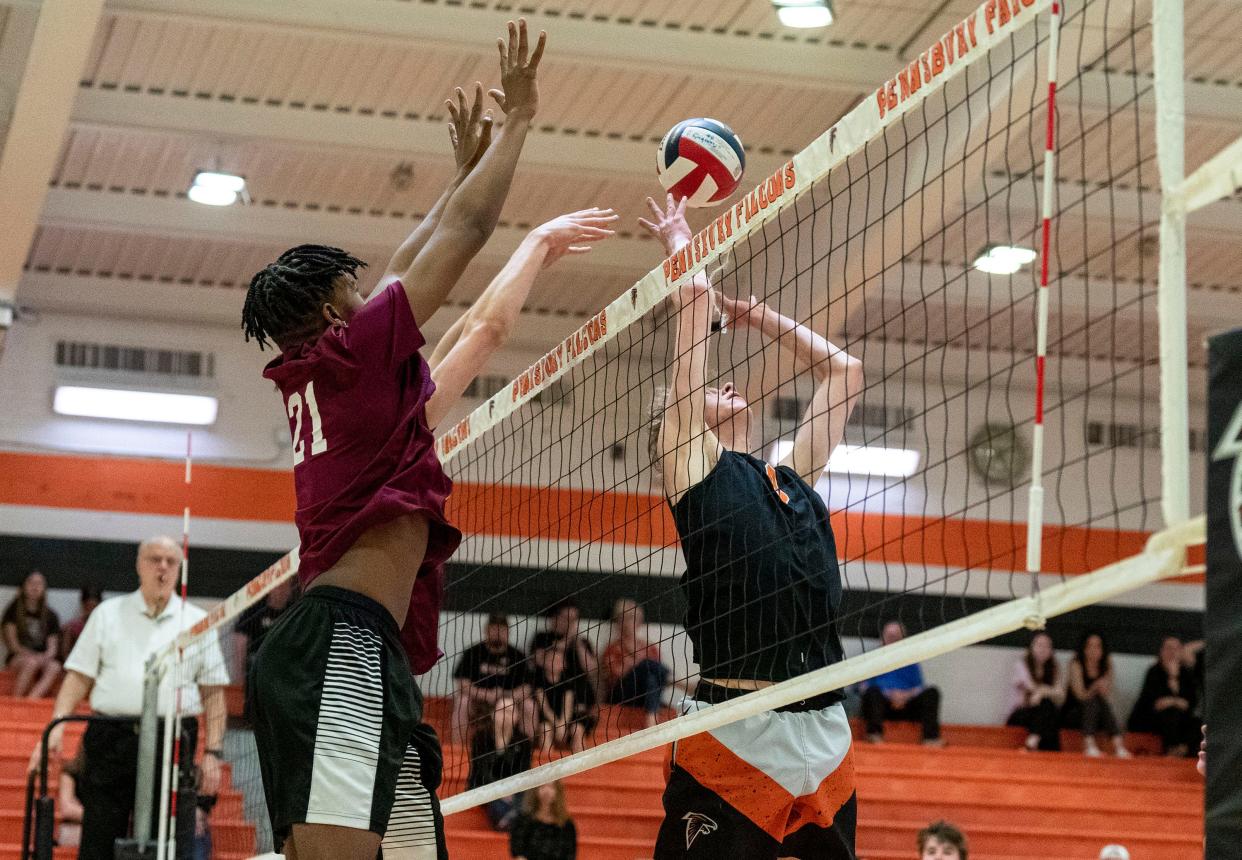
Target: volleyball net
pixel 983 233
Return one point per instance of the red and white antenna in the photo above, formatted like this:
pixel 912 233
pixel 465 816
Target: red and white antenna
pixel 1035 514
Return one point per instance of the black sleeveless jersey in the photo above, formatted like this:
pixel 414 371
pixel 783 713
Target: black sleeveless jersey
pixel 762 584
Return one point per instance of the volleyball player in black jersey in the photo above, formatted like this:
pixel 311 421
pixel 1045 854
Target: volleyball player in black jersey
pixel 762 589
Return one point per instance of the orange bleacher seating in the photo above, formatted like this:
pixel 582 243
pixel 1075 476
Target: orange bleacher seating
pixel 1014 805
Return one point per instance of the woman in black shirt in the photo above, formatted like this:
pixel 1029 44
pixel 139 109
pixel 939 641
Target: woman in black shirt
pixel 1167 703
pixel 497 750
pixel 544 830
pixel 32 635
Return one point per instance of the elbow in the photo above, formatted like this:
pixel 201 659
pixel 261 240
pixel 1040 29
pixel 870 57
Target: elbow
pixel 472 229
pixel 488 334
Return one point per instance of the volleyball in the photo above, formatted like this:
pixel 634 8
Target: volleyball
pixel 702 160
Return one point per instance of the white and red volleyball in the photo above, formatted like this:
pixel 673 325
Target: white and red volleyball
pixel 702 160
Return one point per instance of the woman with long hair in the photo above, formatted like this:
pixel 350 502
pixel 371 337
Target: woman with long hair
pixel 1036 695
pixel 1166 704
pixel 543 830
pixel 32 635
pixel 1087 704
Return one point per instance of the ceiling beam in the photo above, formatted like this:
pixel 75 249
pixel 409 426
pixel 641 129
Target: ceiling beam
pixel 716 56
pixel 402 138
pixel 62 39
pixel 601 43
pixel 104 210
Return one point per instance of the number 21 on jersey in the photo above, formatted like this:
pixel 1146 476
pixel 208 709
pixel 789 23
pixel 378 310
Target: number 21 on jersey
pixel 297 404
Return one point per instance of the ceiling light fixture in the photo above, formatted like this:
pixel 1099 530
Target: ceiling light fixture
pixel 1003 259
pixel 213 188
pixel 860 459
pixel 804 14
pixel 129 405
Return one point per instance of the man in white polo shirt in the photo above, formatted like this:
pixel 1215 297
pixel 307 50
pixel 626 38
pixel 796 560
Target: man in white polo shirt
pixel 108 662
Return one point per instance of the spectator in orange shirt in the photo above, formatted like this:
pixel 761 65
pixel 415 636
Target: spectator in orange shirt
pixel 633 672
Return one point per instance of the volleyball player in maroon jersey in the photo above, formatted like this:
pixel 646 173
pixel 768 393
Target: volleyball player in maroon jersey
pixel 348 765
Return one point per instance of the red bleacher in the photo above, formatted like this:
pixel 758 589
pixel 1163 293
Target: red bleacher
pixel 1014 805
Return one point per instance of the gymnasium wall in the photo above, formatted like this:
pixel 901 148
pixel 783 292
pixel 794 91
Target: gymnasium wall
pixel 66 495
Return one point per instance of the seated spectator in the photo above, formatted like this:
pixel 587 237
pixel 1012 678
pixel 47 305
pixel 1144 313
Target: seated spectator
pixel 1114 852
pixel 486 671
pixel 32 635
pixel 253 625
pixel 633 672
pixel 563 619
pixel 942 841
pixel 1036 695
pixel 1087 704
pixel 90 597
pixel 1166 705
pixel 499 749
pixel 901 695
pixel 565 717
pixel 543 830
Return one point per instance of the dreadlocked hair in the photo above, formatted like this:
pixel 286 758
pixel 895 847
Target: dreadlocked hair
pixel 287 293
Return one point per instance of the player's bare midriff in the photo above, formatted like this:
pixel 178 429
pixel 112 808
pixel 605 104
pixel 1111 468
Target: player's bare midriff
pixel 383 564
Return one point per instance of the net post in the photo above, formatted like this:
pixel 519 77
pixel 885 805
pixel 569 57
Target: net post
pixel 1168 44
pixel 147 732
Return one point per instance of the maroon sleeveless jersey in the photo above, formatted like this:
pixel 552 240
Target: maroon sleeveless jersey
pixel 362 451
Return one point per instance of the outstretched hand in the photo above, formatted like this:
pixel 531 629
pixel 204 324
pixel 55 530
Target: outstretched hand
pixel 470 130
pixel 670 225
pixel 568 233
pixel 742 313
pixel 519 90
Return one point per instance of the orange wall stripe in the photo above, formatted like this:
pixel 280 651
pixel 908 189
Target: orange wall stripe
pixel 115 484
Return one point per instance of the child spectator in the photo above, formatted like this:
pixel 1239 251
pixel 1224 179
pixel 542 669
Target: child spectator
pixel 32 635
pixel 544 830
pixel 1087 704
pixel 1036 695
pixel 1166 705
pixel 497 750
pixel 942 841
pixel 633 672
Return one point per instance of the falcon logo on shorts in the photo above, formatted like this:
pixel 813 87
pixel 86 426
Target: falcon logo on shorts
pixel 697 824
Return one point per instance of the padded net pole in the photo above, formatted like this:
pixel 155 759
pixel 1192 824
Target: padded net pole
pixel 1168 49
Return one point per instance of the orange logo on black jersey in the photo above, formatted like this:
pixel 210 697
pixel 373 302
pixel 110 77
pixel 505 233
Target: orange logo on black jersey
pixel 776 488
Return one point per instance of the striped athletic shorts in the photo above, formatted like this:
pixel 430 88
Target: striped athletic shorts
pixel 779 784
pixel 338 724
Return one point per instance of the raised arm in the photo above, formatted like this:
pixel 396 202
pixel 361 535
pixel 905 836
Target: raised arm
pixel 471 212
pixel 686 448
pixel 470 135
pixel 838 382
pixel 480 331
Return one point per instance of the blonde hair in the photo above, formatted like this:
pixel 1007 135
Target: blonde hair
pixel 560 810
